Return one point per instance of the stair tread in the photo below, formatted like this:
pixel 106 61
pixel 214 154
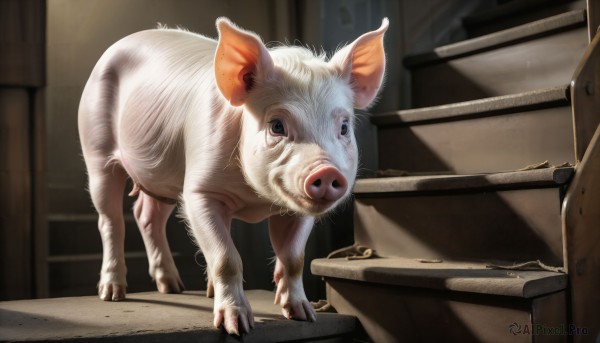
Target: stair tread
pixel 481 107
pixel 510 9
pixel 154 316
pixel 452 276
pixel 547 177
pixel 503 37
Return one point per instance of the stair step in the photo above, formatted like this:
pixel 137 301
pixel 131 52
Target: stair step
pixel 497 39
pixel 444 302
pixel 156 317
pixel 514 13
pixel 77 233
pixel 513 216
pixel 451 276
pixel 537 178
pixel 533 56
pixel 75 255
pixel 75 275
pixel 505 104
pixel 479 136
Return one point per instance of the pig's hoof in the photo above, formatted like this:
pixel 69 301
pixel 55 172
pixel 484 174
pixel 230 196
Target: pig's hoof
pixel 170 285
pixel 111 292
pixel 299 310
pixel 167 279
pixel 235 320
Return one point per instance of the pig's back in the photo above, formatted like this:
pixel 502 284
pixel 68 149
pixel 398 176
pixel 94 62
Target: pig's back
pixel 159 76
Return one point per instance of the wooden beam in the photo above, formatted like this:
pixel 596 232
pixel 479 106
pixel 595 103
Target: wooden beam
pixel 585 97
pixel 581 218
pixel 22 154
pixel 593 17
pixel 22 42
pixel 15 195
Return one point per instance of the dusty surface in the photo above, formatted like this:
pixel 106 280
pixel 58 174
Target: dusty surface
pixel 153 316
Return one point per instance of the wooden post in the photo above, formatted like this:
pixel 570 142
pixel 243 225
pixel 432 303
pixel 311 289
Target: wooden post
pixel 593 17
pixel 581 207
pixel 22 138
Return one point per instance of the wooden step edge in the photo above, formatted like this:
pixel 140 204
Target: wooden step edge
pixel 505 104
pixel 98 257
pixel 513 35
pixel 538 178
pixel 508 9
pixel 451 276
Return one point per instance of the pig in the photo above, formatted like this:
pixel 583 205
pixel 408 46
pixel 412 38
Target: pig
pixel 227 129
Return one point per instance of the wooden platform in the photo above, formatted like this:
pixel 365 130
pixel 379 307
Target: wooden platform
pixel 154 317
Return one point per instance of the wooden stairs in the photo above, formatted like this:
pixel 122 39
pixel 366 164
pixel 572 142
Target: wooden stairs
pixel 471 244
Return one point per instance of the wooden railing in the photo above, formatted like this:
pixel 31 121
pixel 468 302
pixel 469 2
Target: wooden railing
pixel 581 207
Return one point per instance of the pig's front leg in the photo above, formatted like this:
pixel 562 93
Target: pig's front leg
pixel 210 220
pixel 288 237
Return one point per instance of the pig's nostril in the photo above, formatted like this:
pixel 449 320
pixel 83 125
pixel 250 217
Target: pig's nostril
pixel 326 183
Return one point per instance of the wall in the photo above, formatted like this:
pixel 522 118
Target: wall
pixel 22 78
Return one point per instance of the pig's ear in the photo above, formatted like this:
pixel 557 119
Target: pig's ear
pixel 240 56
pixel 363 63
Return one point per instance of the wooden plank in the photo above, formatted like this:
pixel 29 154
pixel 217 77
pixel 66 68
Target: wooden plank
pixel 517 34
pixel 506 104
pixel 40 201
pixel 593 18
pixel 22 42
pixel 513 13
pixel 481 144
pixel 15 195
pixel 581 220
pixel 510 226
pixel 422 315
pixel 547 177
pixel 549 319
pixel 452 276
pixel 585 95
pixel 544 62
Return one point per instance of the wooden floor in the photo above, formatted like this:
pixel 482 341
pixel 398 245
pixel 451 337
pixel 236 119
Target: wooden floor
pixel 148 317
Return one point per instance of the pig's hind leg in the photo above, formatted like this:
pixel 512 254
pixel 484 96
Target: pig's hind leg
pixel 107 184
pixel 151 216
pixel 107 178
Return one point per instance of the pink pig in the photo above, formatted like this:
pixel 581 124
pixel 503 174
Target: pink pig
pixel 229 129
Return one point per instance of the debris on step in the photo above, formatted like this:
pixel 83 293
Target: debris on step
pixel 322 306
pixel 398 172
pixel 403 173
pixel 544 165
pixel 530 265
pixel 353 252
pixel 428 260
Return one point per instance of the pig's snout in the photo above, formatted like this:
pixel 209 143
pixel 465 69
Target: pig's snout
pixel 326 184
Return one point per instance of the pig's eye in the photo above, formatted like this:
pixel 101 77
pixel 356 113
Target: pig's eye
pixel 277 128
pixel 344 130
